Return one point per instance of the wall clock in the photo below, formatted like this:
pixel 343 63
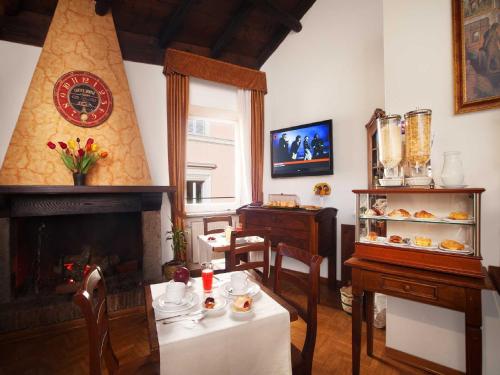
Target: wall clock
pixel 83 99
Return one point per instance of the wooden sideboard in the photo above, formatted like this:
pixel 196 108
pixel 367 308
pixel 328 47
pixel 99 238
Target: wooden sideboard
pixel 313 231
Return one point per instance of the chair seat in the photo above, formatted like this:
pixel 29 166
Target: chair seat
pixel 140 366
pixel 297 361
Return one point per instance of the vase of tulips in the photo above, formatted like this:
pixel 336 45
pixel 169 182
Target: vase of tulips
pixel 78 159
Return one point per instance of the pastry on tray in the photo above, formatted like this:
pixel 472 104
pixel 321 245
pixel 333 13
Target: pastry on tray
pixel 423 241
pixel 458 215
pixel 400 212
pixel 452 245
pixel 242 304
pixel 422 214
pixel 395 239
pixel 372 236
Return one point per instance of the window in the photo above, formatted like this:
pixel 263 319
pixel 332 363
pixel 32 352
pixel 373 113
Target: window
pixel 210 161
pixel 198 126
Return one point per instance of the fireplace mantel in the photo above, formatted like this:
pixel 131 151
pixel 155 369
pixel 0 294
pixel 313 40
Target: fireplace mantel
pixel 25 201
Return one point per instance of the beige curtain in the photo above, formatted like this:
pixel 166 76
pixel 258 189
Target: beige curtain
pixel 177 116
pixel 257 145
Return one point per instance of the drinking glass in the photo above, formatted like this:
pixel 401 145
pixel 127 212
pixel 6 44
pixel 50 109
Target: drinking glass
pixel 207 276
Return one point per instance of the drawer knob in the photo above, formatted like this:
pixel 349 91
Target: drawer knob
pixel 407 288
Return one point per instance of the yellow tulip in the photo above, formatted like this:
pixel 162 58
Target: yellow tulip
pixel 94 147
pixel 72 144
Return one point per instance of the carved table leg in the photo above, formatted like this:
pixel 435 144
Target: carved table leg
pixel 357 319
pixel 473 332
pixel 369 322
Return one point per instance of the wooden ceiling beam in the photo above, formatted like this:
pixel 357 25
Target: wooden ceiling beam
pixel 174 23
pixel 285 18
pixel 231 28
pixel 102 7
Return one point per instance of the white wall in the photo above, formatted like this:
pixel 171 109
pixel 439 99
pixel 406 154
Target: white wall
pixel 332 69
pixel 418 69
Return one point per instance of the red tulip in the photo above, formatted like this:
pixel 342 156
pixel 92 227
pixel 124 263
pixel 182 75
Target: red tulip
pixel 104 154
pixel 63 145
pixel 80 152
pixel 51 145
pixel 90 141
pixel 88 146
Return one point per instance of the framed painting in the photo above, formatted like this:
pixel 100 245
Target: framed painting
pixel 476 50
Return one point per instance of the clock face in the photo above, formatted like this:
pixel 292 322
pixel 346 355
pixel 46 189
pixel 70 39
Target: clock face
pixel 83 99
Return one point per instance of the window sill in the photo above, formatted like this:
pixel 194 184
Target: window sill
pixel 209 213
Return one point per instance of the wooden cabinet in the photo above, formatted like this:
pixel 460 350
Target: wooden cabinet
pixel 313 231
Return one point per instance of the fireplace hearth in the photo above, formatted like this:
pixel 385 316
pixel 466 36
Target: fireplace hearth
pixel 50 237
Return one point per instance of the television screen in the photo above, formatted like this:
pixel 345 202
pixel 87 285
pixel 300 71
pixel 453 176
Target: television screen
pixel 304 150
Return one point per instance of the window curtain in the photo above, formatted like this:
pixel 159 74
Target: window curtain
pixel 257 145
pixel 177 116
pixel 243 170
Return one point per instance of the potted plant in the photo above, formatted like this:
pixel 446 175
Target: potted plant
pixel 78 159
pixel 179 244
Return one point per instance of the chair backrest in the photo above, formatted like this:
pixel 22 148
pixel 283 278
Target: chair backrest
pixel 309 287
pixel 216 219
pixel 239 249
pixel 91 298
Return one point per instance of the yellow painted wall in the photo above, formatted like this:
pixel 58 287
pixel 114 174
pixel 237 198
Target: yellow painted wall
pixel 78 39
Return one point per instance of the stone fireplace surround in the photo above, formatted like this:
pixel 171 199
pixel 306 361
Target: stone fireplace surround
pixel 21 202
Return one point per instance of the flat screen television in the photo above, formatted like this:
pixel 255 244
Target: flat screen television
pixel 304 150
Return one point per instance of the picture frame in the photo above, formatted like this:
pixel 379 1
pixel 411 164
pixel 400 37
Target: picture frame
pixel 476 35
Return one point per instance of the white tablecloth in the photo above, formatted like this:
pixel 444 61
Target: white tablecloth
pixel 207 248
pixel 223 345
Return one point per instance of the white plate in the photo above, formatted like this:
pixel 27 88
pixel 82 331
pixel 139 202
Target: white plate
pixel 468 250
pixel 371 217
pixel 220 303
pixel 453 186
pixel 468 221
pixel 241 314
pixel 251 290
pixel 387 242
pixel 190 300
pixel 432 247
pixel 378 240
pixel 396 217
pixel 418 181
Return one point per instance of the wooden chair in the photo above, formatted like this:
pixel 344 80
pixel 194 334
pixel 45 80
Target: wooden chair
pixel 301 360
pixel 91 299
pixel 216 219
pixel 237 253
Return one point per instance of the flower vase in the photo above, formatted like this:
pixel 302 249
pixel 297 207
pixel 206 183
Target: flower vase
pixel 79 179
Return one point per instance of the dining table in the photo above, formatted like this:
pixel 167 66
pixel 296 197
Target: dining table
pixel 210 244
pixel 221 342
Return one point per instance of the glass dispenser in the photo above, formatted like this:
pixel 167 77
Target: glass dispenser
pixel 418 141
pixel 390 145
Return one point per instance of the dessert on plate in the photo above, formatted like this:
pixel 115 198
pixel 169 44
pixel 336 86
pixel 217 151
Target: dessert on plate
pixel 423 241
pixel 422 214
pixel 395 239
pixel 400 212
pixel 209 303
pixel 452 245
pixel 372 236
pixel 458 215
pixel 242 304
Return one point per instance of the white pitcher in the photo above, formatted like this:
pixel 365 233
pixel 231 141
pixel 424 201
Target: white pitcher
pixel 452 173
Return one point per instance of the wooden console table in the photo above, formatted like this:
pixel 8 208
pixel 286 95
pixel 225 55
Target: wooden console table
pixel 314 231
pixel 458 293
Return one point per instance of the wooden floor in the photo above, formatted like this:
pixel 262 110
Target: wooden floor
pixel 64 351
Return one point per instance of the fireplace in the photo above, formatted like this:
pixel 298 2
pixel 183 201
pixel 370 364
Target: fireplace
pixel 50 236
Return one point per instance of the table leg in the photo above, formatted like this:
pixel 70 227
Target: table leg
pixel 357 320
pixel 473 332
pixel 369 298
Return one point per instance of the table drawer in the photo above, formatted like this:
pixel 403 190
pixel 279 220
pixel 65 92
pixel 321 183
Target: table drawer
pixel 298 239
pixel 452 297
pixel 389 283
pixel 293 222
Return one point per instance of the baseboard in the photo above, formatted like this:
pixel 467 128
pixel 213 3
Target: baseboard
pixel 419 363
pixel 58 328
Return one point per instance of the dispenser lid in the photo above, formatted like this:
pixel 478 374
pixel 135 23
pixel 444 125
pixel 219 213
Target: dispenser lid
pixel 418 112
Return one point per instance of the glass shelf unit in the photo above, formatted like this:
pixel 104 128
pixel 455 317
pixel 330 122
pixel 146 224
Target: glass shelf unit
pixel 438 201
